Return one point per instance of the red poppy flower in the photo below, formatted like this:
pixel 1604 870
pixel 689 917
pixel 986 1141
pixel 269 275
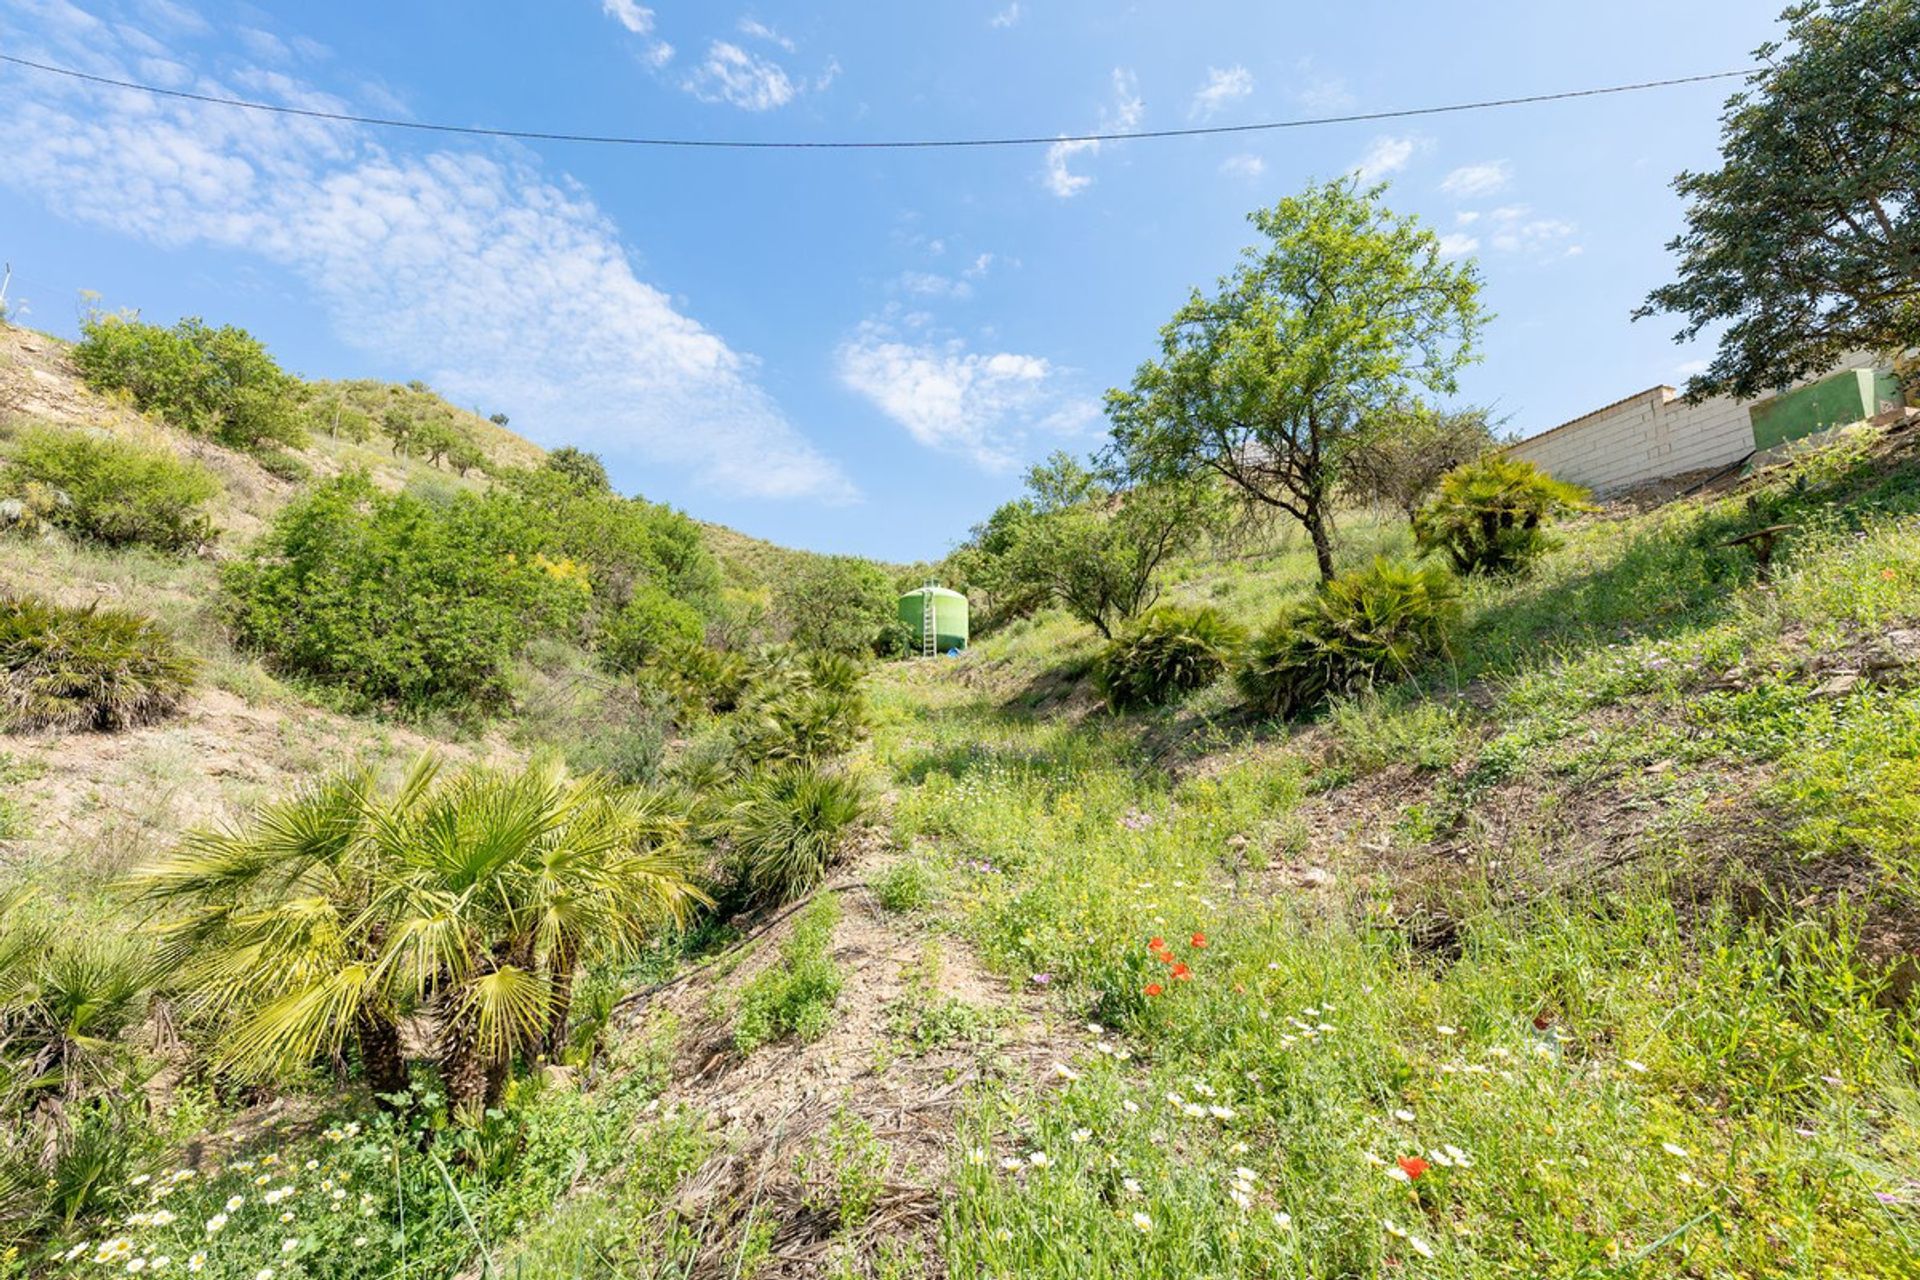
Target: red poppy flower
pixel 1164 957
pixel 1156 944
pixel 1199 940
pixel 1153 988
pixel 1181 972
pixel 1412 1166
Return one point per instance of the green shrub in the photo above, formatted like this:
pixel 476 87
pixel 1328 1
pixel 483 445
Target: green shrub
pixel 842 604
pixel 397 601
pixel 1366 627
pixel 283 465
pixel 652 624
pixel 626 544
pixel 1491 516
pixel 220 382
pixel 699 678
pixel 89 668
pixel 795 996
pixel 113 491
pixel 1167 652
pixel 806 712
pixel 625 737
pixel 905 886
pixel 787 828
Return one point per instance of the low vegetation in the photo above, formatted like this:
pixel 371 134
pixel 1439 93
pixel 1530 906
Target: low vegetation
pixel 110 491
pixel 1368 627
pixel 88 668
pixel 794 996
pixel 1166 653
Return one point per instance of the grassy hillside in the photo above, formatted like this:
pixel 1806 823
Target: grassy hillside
pixel 1588 951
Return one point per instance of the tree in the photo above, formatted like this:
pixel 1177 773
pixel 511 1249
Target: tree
pixel 1805 243
pixel 1346 308
pixel 1403 451
pixel 583 470
pixel 1095 547
pixel 497 419
pixel 842 604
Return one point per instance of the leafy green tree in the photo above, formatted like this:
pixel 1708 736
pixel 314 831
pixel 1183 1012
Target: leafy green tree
pixel 1095 548
pixel 213 382
pixel 583 470
pixel 841 604
pixel 1805 242
pixel 1403 450
pixel 1345 308
pixel 399 426
pixel 400 601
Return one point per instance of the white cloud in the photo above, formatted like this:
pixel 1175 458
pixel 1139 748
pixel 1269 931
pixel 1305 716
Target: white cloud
pixel 928 284
pixel 1513 229
pixel 1457 244
pixel 499 283
pixel 747 80
pixel 981 265
pixel 1223 86
pixel 636 18
pixel 1245 165
pixel 1123 116
pixel 1320 92
pixel 761 31
pixel 1006 17
pixel 1386 155
pixel 983 406
pixel 1475 180
pixel 263 45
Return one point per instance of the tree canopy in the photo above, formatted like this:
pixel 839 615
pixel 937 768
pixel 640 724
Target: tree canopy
pixel 1345 307
pixel 1805 243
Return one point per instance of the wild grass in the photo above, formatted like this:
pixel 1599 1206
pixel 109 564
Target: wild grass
pixel 795 995
pixel 1635 1077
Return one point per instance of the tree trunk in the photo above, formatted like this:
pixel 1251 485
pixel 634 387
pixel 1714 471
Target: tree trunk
pixel 560 996
pixel 464 1072
pixel 380 1059
pixel 1316 523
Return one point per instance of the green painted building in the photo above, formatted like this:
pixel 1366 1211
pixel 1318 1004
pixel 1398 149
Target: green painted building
pixel 1835 401
pixel 937 618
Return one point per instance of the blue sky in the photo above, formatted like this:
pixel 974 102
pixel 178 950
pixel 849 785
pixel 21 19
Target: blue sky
pixel 843 351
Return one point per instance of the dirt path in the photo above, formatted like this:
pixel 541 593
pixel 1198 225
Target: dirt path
pixel 776 1108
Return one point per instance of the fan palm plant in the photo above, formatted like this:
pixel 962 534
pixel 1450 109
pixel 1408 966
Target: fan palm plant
pixel 472 901
pixel 67 1066
pixel 495 890
pixel 269 929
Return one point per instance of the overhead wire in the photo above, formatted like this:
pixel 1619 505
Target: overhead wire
pixel 859 144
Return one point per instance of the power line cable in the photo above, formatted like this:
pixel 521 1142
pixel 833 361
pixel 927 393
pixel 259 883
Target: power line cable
pixel 884 144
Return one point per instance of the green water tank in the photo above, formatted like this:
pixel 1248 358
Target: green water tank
pixel 949 609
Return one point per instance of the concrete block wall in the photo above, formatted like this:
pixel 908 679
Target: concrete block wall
pixel 1648 436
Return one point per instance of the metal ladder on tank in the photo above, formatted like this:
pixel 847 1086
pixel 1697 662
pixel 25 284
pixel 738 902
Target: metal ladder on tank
pixel 929 628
